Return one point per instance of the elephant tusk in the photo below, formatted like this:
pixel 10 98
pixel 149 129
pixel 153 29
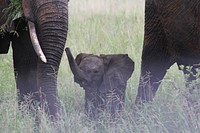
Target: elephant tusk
pixel 35 42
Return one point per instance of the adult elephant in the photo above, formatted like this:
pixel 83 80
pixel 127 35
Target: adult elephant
pixel 37 49
pixel 172 35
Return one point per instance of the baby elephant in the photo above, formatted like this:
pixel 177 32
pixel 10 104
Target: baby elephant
pixel 104 80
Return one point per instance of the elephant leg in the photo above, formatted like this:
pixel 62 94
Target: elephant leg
pixel 4 42
pixel 155 56
pixel 26 84
pixel 115 102
pixel 152 72
pixel 91 104
pixel 190 72
pixel 25 63
pixel 47 82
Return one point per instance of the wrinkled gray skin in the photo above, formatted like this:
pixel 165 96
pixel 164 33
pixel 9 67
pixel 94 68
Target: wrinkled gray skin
pixel 104 80
pixel 171 35
pixel 34 77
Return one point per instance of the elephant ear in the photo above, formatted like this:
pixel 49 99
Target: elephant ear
pixel 80 57
pixel 118 69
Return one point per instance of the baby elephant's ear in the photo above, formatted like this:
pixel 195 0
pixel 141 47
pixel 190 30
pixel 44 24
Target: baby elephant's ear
pixel 80 57
pixel 119 68
pixel 119 63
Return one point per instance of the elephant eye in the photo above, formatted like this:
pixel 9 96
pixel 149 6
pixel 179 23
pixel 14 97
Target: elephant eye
pixel 83 83
pixel 96 71
pixel 88 71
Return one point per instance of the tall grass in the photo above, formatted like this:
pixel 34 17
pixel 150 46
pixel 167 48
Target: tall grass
pixel 108 27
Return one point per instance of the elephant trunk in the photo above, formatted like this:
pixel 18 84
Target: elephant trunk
pixel 78 73
pixel 51 21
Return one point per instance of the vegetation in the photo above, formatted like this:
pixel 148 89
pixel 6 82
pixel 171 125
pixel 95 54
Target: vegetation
pixel 11 13
pixel 14 10
pixel 109 27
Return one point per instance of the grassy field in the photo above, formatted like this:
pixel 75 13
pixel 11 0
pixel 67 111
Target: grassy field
pixel 108 27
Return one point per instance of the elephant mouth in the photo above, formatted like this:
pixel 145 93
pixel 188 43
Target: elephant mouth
pixel 85 85
pixel 82 83
pixel 90 89
pixel 89 86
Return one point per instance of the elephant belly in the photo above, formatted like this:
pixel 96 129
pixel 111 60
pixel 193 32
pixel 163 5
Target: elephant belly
pixel 181 23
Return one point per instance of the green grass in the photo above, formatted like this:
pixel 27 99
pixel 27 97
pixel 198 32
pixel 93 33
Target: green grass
pixel 103 27
pixel 11 13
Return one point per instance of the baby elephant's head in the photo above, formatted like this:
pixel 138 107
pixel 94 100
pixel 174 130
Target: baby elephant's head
pixel 93 66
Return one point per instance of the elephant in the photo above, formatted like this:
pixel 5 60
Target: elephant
pixel 104 80
pixel 171 35
pixel 38 45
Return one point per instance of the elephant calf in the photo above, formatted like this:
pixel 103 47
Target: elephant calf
pixel 104 80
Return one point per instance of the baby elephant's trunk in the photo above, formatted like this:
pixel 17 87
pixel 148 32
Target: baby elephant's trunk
pixel 78 73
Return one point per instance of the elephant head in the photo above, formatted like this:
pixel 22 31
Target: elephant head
pixel 44 24
pixel 104 80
